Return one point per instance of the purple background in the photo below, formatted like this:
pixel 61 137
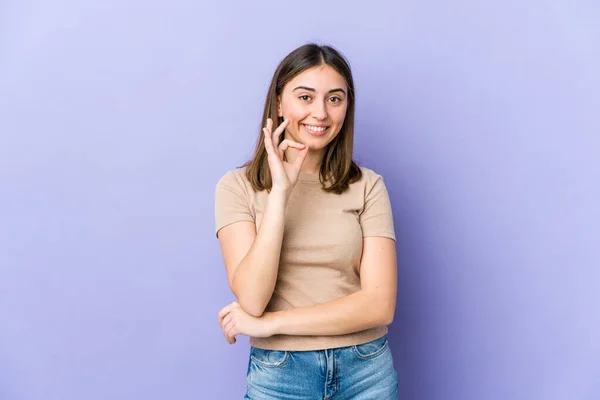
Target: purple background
pixel 118 118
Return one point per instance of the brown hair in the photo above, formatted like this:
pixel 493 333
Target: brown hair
pixel 338 168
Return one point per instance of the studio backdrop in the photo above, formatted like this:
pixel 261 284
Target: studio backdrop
pixel 117 118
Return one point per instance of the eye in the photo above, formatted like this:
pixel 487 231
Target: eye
pixel 335 99
pixel 304 97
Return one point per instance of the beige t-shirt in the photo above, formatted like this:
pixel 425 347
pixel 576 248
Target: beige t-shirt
pixel 321 248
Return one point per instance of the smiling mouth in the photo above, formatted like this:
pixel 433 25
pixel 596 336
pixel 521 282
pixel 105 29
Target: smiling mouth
pixel 316 130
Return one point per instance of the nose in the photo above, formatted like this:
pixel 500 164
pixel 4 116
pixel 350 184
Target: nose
pixel 319 110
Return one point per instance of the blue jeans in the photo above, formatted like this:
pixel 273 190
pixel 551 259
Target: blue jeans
pixel 362 372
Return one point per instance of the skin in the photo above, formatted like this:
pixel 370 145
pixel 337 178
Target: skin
pixel 313 98
pixel 317 96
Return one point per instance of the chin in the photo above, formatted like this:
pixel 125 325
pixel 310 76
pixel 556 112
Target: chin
pixel 314 143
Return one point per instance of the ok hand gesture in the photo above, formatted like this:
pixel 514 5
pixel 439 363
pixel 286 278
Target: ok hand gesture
pixel 283 174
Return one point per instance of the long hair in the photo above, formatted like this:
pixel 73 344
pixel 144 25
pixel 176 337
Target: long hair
pixel 338 169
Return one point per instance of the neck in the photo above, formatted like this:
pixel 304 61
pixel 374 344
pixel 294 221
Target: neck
pixel 312 162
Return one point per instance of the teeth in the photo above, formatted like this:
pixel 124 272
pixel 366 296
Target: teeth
pixel 316 128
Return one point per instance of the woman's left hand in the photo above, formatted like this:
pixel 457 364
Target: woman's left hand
pixel 235 321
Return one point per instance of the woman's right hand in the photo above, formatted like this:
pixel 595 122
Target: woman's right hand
pixel 283 174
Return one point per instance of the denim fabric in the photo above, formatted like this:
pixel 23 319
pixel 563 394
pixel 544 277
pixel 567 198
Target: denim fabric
pixel 362 372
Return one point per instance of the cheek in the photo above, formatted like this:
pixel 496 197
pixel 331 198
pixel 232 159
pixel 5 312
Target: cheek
pixel 339 115
pixel 294 114
pixel 292 108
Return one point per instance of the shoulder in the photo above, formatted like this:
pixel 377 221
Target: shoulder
pixel 237 175
pixel 235 180
pixel 371 185
pixel 369 175
pixel 369 178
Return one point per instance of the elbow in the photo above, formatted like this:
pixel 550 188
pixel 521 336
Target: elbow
pixel 385 306
pixel 253 307
pixel 388 309
pixel 387 318
pixel 256 310
pixel 252 303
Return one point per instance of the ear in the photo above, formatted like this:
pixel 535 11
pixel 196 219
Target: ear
pixel 279 112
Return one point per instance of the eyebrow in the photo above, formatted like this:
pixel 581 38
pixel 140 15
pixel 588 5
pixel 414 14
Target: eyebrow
pixel 313 90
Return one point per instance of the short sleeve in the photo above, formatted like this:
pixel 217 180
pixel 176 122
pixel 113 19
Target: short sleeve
pixel 231 202
pixel 376 219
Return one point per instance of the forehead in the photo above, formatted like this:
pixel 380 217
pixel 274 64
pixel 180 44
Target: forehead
pixel 320 78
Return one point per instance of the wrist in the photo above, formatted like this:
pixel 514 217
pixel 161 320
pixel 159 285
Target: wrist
pixel 273 323
pixel 279 194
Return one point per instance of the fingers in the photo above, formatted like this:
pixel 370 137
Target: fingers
pixel 268 142
pixel 286 143
pixel 228 330
pixel 272 138
pixel 223 312
pixel 279 130
pixel 228 318
pixel 226 310
pixel 227 322
pixel 269 137
pixel 300 158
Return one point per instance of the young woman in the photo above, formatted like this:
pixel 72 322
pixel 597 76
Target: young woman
pixel 308 242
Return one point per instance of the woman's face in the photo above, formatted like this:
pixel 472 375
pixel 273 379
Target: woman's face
pixel 315 102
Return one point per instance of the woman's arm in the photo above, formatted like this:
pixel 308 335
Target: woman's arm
pixel 373 305
pixel 252 258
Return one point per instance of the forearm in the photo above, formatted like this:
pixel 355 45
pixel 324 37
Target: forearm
pixel 355 312
pixel 255 277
